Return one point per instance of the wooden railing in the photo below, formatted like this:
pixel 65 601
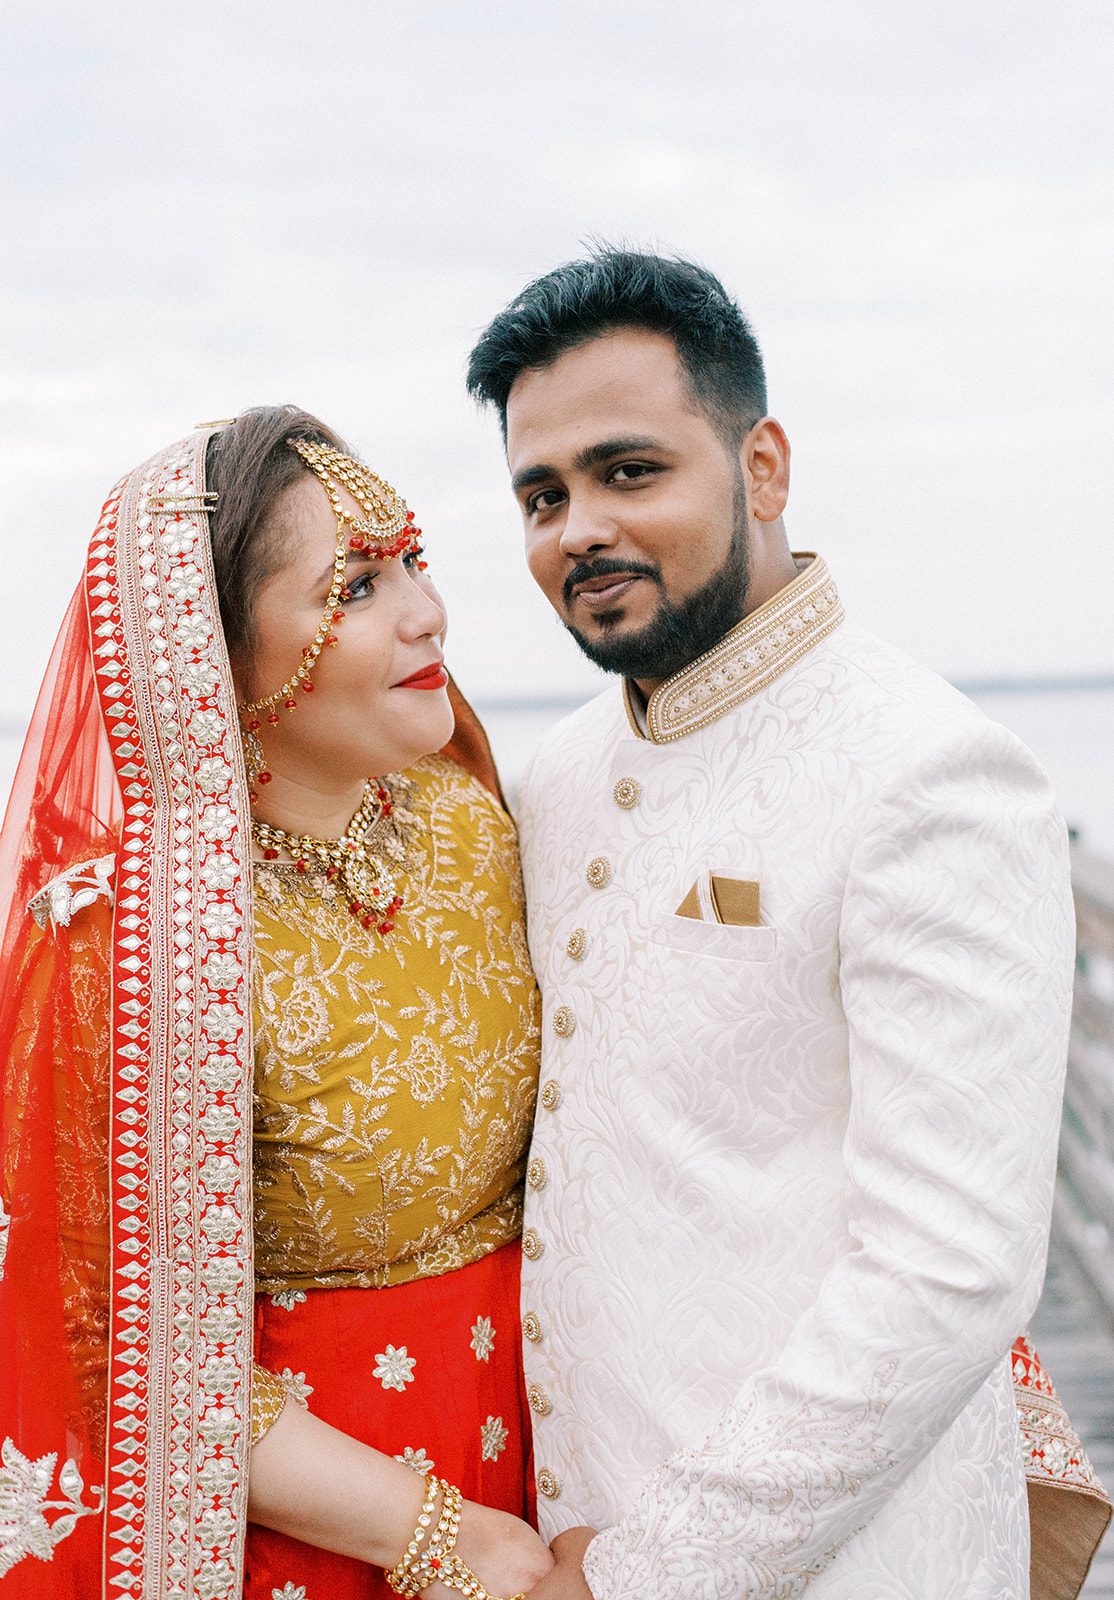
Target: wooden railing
pixel 1085 1193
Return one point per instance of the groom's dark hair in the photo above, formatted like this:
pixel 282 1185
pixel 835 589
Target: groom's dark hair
pixel 613 289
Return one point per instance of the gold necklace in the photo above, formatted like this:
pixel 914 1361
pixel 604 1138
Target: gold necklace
pixel 368 886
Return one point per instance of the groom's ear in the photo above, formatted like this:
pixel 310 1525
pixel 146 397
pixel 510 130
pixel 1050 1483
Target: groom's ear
pixel 764 459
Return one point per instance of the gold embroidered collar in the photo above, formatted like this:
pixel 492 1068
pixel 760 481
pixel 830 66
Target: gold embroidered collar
pixel 746 661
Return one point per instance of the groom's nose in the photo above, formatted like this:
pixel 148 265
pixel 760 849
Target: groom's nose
pixel 587 529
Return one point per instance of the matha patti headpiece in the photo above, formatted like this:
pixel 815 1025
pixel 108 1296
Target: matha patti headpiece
pixel 385 531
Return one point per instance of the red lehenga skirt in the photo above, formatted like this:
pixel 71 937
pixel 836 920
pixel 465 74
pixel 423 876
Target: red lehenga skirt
pixel 429 1370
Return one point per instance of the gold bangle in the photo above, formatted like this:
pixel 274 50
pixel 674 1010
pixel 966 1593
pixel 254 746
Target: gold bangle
pixel 425 1517
pixel 436 1563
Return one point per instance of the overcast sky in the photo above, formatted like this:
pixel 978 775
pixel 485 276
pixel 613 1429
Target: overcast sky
pixel 212 206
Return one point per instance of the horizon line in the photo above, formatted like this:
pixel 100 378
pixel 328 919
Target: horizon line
pixel 1066 683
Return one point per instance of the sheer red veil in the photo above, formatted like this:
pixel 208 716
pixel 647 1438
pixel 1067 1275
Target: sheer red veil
pixel 125 1042
pixel 125 1037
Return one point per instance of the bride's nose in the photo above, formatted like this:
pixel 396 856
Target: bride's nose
pixel 423 613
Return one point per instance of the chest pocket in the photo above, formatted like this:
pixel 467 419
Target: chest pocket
pixel 719 916
pixel 727 943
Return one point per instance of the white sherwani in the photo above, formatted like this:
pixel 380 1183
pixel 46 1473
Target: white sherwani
pixel 791 1183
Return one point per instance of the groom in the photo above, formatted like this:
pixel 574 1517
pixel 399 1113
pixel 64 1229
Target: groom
pixel 802 920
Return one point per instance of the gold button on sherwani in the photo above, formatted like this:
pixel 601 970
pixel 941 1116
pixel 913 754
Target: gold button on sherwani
pixel 532 1327
pixel 578 943
pixel 550 1097
pixel 564 1022
pixel 532 1246
pixel 536 1175
pixel 548 1484
pixel 598 872
pixel 627 793
pixel 539 1400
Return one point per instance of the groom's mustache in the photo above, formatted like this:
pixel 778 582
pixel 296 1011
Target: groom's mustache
pixel 605 567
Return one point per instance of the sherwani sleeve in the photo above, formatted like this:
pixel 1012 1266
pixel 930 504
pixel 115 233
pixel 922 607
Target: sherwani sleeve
pixel 955 960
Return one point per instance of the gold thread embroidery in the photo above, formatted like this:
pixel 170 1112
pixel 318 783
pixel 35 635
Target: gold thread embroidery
pixel 750 658
pixel 376 1160
pixel 150 590
pixel 483 1338
pixel 493 1439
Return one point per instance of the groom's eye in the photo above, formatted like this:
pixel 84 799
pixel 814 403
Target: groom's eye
pixel 544 500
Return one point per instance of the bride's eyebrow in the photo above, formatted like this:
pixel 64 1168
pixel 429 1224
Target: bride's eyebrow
pixel 353 555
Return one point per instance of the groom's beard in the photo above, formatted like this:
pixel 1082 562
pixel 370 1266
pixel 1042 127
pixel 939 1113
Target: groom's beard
pixel 681 630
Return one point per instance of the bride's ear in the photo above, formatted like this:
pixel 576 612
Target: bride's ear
pixel 241 676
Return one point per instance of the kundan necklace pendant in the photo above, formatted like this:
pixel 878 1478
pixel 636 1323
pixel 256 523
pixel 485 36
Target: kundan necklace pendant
pixel 365 881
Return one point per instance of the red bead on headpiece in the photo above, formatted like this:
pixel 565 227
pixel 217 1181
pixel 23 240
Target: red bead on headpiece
pixel 384 531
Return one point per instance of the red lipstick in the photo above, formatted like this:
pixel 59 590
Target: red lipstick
pixel 432 677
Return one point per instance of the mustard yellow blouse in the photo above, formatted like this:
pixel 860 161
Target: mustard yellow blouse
pixel 395 1077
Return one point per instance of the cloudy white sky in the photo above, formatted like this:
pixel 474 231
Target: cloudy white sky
pixel 210 206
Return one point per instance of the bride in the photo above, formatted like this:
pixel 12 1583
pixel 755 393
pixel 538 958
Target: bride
pixel 270 1035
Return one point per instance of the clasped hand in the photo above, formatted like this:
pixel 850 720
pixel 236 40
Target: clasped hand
pixel 565 1580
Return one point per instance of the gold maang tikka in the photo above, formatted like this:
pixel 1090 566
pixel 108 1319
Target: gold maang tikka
pixel 385 531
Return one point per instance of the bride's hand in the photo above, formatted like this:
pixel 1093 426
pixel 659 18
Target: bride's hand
pixel 504 1552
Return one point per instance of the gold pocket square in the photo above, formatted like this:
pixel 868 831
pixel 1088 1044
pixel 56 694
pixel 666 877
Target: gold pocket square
pixel 735 902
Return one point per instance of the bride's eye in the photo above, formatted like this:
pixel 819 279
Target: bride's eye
pixel 359 587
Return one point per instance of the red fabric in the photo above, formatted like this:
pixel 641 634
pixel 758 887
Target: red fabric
pixel 469 746
pixel 54 1008
pixel 126 1091
pixel 125 1084
pixel 334 1338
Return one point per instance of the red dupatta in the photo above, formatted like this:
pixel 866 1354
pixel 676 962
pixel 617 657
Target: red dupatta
pixel 125 1043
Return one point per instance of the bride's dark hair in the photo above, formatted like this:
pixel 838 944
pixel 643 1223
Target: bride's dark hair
pixel 248 465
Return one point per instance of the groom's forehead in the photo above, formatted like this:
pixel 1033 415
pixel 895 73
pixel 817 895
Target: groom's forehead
pixel 628 382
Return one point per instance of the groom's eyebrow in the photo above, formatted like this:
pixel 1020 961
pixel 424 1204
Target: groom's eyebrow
pixel 592 455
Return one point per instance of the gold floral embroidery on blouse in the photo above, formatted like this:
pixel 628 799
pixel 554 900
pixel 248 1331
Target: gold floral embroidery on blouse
pixel 395 1078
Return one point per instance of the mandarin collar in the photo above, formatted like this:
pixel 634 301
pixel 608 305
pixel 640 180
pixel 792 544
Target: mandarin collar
pixel 746 661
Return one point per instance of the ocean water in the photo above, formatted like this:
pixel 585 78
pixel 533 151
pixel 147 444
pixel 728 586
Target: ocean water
pixel 1070 731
